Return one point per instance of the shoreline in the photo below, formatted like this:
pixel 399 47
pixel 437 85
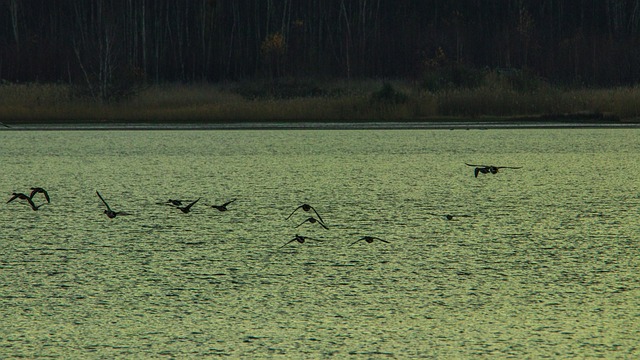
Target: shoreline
pixel 325 125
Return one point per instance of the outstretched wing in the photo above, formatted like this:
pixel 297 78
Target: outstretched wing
pixel 509 167
pixel 288 242
pixel 476 165
pixel 323 225
pixel 12 198
pixel 34 191
pixel 294 211
pixel 307 219
pixel 228 202
pixel 377 238
pixel 190 205
pixel 104 202
pixel 33 206
pixel 355 242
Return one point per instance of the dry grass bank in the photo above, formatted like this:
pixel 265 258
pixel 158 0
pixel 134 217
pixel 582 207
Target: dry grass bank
pixel 330 101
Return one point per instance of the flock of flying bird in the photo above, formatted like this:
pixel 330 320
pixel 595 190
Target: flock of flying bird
pixel 185 206
pixel 29 198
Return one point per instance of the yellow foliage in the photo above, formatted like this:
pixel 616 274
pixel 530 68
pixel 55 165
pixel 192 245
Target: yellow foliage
pixel 273 46
pixel 439 59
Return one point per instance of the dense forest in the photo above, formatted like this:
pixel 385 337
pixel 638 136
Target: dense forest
pixel 572 42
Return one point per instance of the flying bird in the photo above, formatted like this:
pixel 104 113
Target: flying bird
pixel 449 216
pixel 223 207
pixel 369 239
pixel 186 209
pixel 110 213
pixel 307 208
pixel 299 238
pixel 21 196
pixel 36 190
pixel 313 220
pixel 486 169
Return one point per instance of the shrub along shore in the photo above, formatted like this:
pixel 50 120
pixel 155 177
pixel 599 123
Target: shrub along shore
pixel 495 98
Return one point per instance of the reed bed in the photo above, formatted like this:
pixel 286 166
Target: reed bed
pixel 339 101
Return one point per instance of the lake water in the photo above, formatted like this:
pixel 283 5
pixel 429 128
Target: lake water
pixel 545 264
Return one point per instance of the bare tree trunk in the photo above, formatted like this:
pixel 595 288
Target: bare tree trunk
pixel 106 69
pixel 143 19
pixel 13 9
pixel 347 40
pixel 203 38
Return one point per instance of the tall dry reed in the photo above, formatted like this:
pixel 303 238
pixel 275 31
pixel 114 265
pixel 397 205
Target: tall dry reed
pixel 347 101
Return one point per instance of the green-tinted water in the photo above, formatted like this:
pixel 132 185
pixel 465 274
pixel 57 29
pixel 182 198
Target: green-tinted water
pixel 545 265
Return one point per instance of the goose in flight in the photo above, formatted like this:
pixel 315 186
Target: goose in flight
pixel 36 190
pixel 186 209
pixel 369 239
pixel 307 208
pixel 110 213
pixel 21 196
pixel 486 169
pixel 449 216
pixel 223 207
pixel 299 238
pixel 313 220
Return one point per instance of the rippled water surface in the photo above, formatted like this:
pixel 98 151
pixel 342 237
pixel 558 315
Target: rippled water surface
pixel 545 264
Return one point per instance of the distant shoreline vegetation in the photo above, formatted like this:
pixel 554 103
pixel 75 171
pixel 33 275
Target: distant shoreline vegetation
pixel 482 95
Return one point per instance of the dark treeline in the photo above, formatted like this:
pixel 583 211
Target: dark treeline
pixel 584 42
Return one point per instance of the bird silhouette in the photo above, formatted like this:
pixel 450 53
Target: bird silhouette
pixel 223 207
pixel 490 169
pixel 449 216
pixel 186 209
pixel 36 190
pixel 369 239
pixel 307 208
pixel 299 238
pixel 174 202
pixel 21 196
pixel 110 213
pixel 18 196
pixel 313 220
